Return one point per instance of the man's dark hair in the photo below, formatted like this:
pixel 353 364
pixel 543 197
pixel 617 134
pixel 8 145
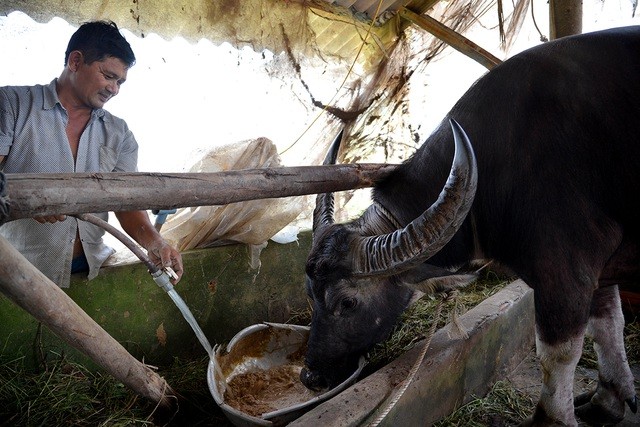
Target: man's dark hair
pixel 98 40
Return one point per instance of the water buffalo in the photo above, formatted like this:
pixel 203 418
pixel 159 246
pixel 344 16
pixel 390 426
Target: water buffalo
pixel 555 131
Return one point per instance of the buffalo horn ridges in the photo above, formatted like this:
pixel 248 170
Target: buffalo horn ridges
pixel 422 238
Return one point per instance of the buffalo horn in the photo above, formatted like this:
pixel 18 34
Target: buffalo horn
pixel 412 245
pixel 323 212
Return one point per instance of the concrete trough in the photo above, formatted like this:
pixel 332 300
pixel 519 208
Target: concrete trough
pixel 455 370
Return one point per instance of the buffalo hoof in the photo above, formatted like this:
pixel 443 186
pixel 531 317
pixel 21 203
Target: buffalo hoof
pixel 595 414
pixel 530 422
pixel 540 419
pixel 583 398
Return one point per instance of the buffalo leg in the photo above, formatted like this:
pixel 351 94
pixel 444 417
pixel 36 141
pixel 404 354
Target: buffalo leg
pixel 558 363
pixel 605 405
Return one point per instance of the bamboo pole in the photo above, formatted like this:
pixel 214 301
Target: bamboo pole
pixel 453 39
pixel 73 193
pixel 31 290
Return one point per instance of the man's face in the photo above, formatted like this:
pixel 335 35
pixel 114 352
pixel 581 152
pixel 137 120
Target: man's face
pixel 99 81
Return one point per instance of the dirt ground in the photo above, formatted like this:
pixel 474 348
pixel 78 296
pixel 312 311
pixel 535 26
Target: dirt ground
pixel 528 378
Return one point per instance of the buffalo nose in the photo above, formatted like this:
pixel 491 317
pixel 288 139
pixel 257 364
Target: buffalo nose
pixel 312 380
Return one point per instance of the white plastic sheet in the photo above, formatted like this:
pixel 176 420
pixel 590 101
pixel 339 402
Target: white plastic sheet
pixel 252 222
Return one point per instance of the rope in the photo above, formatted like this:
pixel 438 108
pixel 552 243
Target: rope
pixel 456 324
pixel 4 200
pixel 416 365
pixel 543 38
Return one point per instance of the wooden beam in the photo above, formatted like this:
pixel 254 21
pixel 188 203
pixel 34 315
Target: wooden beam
pixel 565 18
pixel 453 39
pixel 419 7
pixel 31 290
pixel 73 193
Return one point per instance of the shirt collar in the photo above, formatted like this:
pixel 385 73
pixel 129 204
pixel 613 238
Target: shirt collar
pixel 50 95
pixel 51 98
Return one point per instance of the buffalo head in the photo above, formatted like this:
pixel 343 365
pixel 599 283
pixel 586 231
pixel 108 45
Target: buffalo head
pixel 360 279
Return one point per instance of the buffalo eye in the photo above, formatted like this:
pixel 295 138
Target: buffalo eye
pixel 349 303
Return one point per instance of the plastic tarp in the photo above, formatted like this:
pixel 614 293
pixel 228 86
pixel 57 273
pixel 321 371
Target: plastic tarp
pixel 251 222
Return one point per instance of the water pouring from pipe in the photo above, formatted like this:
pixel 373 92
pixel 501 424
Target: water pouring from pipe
pixel 162 276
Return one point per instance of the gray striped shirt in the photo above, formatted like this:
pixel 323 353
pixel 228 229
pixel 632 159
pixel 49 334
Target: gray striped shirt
pixel 33 138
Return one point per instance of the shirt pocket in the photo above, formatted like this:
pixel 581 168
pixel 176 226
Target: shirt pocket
pixel 108 159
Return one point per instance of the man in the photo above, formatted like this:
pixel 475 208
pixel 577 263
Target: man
pixel 62 127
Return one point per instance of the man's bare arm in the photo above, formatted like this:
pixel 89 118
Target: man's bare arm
pixel 137 225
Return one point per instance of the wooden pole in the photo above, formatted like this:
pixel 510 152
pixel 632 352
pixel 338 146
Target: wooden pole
pixel 28 288
pixel 73 193
pixel 565 18
pixel 453 39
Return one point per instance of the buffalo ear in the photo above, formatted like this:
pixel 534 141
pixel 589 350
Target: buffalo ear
pixel 429 279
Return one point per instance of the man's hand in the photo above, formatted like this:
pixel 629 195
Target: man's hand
pixel 164 255
pixel 137 225
pixel 50 218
